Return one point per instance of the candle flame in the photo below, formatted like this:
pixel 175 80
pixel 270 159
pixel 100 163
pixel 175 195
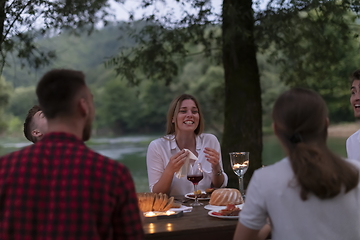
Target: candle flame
pixel 238 165
pixel 149 214
pixel 153 214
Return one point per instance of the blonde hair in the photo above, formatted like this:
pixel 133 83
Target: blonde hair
pixel 174 109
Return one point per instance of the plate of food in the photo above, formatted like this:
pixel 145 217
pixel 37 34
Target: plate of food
pixel 230 212
pixel 217 215
pixel 218 208
pixel 201 196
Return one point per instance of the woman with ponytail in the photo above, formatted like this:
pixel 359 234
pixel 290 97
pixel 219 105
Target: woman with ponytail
pixel 310 194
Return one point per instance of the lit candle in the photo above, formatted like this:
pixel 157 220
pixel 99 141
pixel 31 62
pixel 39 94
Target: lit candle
pixel 154 214
pixel 238 165
pixel 149 214
pixel 169 212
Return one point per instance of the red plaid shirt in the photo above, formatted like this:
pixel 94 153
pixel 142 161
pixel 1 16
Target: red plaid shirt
pixel 60 189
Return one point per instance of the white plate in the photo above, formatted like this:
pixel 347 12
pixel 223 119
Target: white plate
pixel 187 196
pixel 181 208
pixel 218 208
pixel 211 213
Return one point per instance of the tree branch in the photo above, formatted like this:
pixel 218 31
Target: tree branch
pixel 16 18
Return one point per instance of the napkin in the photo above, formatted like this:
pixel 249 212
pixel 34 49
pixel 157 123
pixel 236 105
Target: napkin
pixel 183 208
pixel 185 168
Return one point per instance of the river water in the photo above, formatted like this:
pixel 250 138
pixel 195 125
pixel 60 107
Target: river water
pixel 131 151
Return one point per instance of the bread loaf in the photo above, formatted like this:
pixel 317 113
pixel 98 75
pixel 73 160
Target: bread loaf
pixel 154 202
pixel 224 196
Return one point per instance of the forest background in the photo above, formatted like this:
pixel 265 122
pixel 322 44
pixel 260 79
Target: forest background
pixel 236 65
pixel 124 109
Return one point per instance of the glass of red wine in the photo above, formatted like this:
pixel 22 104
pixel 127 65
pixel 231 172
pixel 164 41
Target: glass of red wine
pixel 195 175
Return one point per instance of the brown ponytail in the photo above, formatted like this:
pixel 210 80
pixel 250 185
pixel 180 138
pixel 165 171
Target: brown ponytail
pixel 300 118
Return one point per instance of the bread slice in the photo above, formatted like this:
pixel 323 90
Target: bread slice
pixel 154 202
pixel 141 201
pixel 157 202
pixel 151 198
pixel 163 203
pixel 169 204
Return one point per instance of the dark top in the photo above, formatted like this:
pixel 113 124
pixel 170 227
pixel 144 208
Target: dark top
pixel 60 189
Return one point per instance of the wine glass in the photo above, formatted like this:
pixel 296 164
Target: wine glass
pixel 195 175
pixel 240 163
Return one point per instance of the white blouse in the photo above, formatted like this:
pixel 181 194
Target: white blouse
pixel 274 192
pixel 162 149
pixel 353 146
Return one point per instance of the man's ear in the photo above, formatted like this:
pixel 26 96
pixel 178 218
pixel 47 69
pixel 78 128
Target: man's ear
pixel 36 133
pixel 327 122
pixel 83 106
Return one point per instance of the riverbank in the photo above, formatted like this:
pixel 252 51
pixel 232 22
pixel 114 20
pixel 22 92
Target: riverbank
pixel 343 130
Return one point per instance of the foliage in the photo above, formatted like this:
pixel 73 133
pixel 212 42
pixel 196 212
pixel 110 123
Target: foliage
pixel 14 126
pixel 271 87
pixel 83 52
pixel 163 42
pixel 205 80
pixel 24 22
pixel 140 110
pixel 199 76
pixel 116 109
pixel 301 33
pixel 315 45
pixel 4 99
pixel 21 22
pixel 21 100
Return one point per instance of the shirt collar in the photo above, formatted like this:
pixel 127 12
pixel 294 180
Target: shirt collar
pixel 173 144
pixel 61 136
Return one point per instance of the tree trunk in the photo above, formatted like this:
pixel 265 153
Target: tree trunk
pixel 243 115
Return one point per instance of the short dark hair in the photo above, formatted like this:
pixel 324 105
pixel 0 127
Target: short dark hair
pixel 56 91
pixel 28 123
pixel 355 75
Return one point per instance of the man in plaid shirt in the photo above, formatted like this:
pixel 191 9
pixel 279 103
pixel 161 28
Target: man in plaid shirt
pixel 60 189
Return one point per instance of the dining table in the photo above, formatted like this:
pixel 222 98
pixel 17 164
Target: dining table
pixel 196 224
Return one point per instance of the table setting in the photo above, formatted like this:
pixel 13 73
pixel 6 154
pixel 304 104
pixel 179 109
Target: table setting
pixel 202 213
pixel 195 222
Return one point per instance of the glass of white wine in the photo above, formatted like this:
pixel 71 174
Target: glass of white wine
pixel 240 163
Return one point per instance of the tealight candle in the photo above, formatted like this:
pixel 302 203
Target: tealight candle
pixel 149 214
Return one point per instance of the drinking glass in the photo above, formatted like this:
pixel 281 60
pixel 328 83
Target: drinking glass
pixel 195 175
pixel 240 163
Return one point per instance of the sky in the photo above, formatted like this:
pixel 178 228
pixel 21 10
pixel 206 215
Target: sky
pixel 121 10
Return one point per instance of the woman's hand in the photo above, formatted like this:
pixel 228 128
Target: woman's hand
pixel 176 161
pixel 213 157
pixel 174 165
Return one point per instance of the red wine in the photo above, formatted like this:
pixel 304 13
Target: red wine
pixel 195 178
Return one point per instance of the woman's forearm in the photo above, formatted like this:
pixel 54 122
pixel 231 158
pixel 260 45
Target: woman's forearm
pixel 164 183
pixel 217 178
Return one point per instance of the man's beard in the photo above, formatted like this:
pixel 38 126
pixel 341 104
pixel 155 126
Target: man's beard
pixel 87 130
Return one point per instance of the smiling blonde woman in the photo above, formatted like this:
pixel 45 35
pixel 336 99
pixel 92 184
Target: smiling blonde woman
pixel 167 155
